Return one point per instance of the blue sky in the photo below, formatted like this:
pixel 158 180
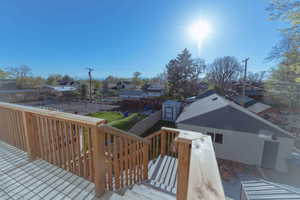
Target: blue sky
pixel 119 37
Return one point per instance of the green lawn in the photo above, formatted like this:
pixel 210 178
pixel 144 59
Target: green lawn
pixel 108 116
pixel 117 120
pixel 126 123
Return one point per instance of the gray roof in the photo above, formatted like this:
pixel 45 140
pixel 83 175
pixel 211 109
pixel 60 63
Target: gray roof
pixel 132 93
pixel 171 102
pixel 216 112
pixel 61 88
pixel 261 189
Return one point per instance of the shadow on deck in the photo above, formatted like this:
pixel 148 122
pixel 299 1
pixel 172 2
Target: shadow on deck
pixel 24 179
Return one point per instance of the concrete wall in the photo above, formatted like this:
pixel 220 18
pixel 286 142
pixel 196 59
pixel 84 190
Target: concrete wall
pixel 237 146
pixel 142 126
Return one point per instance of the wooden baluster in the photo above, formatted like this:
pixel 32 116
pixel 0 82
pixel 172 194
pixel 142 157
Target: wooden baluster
pixel 127 162
pixel 163 143
pixel 122 160
pixel 91 156
pixel 116 163
pixel 145 161
pixel 77 136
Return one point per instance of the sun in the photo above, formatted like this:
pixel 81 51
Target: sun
pixel 200 30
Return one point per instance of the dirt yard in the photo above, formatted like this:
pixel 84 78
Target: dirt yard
pixel 233 173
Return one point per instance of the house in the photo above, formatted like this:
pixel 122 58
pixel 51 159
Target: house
pixel 59 88
pixel 238 134
pixel 252 104
pixel 262 189
pixel 154 90
pixel 170 110
pixel 8 84
pixel 254 90
pixel 132 94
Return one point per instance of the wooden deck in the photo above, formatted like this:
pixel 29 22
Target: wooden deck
pixel 22 179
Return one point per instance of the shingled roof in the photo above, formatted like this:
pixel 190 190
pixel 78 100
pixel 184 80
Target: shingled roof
pixel 215 111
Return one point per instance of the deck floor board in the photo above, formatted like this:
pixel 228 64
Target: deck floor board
pixel 24 179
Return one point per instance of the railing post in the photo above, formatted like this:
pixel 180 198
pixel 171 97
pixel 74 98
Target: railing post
pixel 163 142
pixel 145 161
pixel 183 170
pixel 30 138
pixel 99 160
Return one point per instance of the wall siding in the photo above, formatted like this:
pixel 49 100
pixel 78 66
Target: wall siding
pixel 237 146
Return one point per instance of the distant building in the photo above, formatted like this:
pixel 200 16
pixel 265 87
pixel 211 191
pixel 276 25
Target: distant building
pixel 238 134
pixel 252 104
pixel 171 110
pixel 154 90
pixel 8 84
pixel 132 94
pixel 60 88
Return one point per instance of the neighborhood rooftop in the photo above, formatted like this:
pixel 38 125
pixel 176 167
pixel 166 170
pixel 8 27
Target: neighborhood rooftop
pixel 217 112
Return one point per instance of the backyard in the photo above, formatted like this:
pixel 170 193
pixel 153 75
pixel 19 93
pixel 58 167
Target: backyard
pixel 118 120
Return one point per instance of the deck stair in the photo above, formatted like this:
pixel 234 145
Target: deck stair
pixel 163 174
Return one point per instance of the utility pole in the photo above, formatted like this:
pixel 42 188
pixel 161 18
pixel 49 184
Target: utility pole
pixel 245 76
pixel 90 77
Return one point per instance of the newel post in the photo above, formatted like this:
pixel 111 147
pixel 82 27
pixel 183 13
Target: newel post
pixel 184 154
pixel 98 137
pixel 29 127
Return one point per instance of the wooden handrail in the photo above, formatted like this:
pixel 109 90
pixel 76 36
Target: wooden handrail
pixel 122 133
pixel 124 157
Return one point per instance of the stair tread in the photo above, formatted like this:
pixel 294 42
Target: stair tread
pixel 150 192
pixel 136 195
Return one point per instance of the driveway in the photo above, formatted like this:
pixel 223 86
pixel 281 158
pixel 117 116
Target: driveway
pixel 292 177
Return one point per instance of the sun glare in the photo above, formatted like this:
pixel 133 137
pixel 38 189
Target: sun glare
pixel 200 30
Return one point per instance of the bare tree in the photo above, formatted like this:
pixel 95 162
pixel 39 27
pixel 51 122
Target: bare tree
pixel 223 71
pixel 21 74
pixel 256 77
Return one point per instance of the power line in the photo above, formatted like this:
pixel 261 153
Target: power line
pixel 245 76
pixel 90 77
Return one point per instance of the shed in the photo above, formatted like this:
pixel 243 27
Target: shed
pixel 171 110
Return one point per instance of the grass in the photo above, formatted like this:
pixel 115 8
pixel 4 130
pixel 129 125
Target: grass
pixel 117 120
pixel 108 116
pixel 158 126
pixel 127 123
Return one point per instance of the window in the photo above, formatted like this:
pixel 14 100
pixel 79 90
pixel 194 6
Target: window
pixel 219 138
pixel 212 135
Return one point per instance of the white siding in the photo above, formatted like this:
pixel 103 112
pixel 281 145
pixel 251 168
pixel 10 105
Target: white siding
pixel 237 146
pixel 284 151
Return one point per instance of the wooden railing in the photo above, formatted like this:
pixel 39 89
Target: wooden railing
pixel 126 158
pixel 163 143
pixel 12 129
pixel 85 146
pixel 109 157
